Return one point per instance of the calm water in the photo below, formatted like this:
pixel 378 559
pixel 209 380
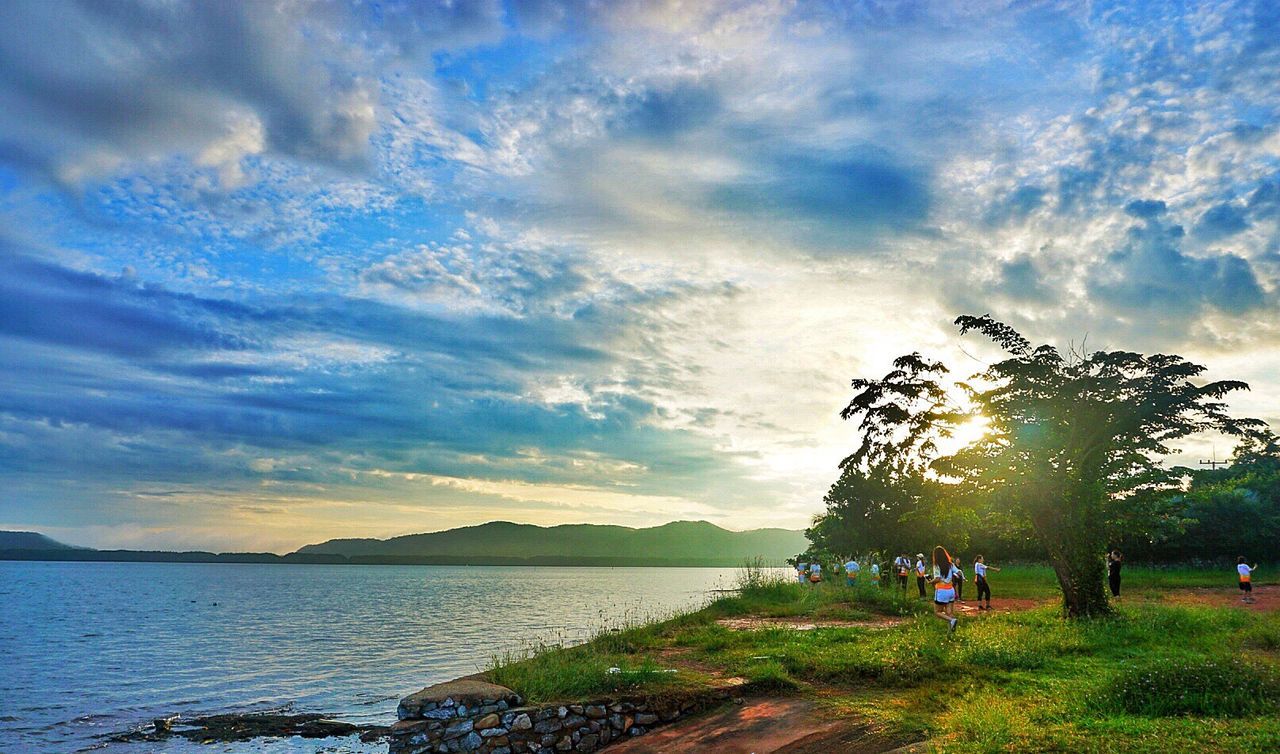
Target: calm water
pixel 90 649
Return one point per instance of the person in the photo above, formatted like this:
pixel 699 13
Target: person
pixel 815 573
pixel 851 571
pixel 1246 579
pixel 959 580
pixel 920 573
pixel 902 566
pixel 875 574
pixel 944 590
pixel 802 571
pixel 1114 561
pixel 980 578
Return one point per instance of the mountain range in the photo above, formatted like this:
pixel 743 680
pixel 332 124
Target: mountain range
pixel 680 543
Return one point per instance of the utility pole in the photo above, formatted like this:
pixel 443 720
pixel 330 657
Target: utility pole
pixel 1215 463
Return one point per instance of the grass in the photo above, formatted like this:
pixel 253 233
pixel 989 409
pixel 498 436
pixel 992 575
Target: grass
pixel 1207 678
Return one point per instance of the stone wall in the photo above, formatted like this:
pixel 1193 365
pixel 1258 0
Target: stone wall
pixel 474 716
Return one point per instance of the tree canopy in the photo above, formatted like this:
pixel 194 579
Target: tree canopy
pixel 1072 449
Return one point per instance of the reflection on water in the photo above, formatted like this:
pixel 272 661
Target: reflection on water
pixel 89 649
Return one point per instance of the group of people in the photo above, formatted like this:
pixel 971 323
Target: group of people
pixel 943 573
pixel 948 578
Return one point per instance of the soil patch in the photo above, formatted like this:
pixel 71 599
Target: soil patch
pixel 762 726
pixel 1266 598
pixel 806 623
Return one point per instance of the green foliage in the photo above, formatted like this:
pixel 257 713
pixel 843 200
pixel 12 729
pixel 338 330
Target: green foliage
pixel 1195 686
pixel 1072 446
pixel 770 675
pixel 1151 677
pixel 546 673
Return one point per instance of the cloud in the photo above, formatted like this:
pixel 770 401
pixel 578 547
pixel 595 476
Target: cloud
pixel 316 253
pixel 1150 275
pixel 87 87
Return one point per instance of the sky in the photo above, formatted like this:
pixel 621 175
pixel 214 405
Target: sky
pixel 278 271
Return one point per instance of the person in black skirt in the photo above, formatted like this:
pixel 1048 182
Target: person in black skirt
pixel 1114 562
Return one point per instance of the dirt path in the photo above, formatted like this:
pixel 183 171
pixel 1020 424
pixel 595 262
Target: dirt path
pixel 1266 598
pixel 804 623
pixel 763 726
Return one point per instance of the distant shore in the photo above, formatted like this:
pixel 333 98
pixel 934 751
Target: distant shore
pixel 155 556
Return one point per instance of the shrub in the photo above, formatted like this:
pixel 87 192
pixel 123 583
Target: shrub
pixel 1210 687
pixel 770 676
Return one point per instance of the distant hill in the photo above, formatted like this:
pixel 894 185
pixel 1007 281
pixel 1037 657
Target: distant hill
pixel 680 542
pixel 29 540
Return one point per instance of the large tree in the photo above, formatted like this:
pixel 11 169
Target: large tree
pixel 1072 445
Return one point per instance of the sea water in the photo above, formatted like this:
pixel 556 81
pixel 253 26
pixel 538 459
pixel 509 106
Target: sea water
pixel 88 650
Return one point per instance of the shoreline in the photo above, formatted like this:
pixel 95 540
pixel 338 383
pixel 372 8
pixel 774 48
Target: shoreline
pixel 146 556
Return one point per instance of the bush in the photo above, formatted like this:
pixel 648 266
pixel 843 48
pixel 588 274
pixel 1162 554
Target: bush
pixel 1209 687
pixel 1265 634
pixel 770 676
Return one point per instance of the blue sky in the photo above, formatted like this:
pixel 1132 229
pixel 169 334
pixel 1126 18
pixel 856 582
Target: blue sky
pixel 279 271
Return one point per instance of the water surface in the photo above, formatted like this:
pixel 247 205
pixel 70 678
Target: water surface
pixel 90 649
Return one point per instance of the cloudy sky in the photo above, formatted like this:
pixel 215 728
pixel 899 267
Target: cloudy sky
pixel 278 271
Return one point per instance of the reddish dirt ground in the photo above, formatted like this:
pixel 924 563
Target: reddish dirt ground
pixel 1266 598
pixel 805 623
pixel 762 726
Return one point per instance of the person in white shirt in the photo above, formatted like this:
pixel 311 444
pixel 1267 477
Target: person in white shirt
pixel 851 571
pixel 944 590
pixel 815 573
pixel 902 567
pixel 1246 579
pixel 920 572
pixel 802 572
pixel 980 578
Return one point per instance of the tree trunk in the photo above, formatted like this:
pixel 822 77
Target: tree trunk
pixel 1082 577
pixel 1073 534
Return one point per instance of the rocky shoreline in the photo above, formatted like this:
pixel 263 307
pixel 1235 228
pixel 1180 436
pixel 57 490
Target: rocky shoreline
pixel 245 727
pixel 473 715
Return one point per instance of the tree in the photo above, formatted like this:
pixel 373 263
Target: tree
pixel 1073 442
pixel 873 511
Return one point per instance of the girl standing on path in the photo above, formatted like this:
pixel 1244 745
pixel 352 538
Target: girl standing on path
pixel 1246 579
pixel 944 591
pixel 1114 561
pixel 980 578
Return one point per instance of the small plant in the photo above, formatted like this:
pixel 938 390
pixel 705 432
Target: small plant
pixel 770 675
pixel 1183 686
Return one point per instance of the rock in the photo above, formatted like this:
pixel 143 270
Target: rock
pixel 442 713
pixel 491 732
pixel 521 722
pixel 562 711
pixel 617 721
pixel 488 721
pixel 575 709
pixel 472 741
pixel 249 726
pixel 547 726
pixel 564 744
pixel 465 693
pixel 635 730
pixel 588 742
pixel 595 711
pixel 646 718
pixel 460 728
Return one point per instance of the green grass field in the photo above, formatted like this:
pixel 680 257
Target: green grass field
pixel 1155 677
